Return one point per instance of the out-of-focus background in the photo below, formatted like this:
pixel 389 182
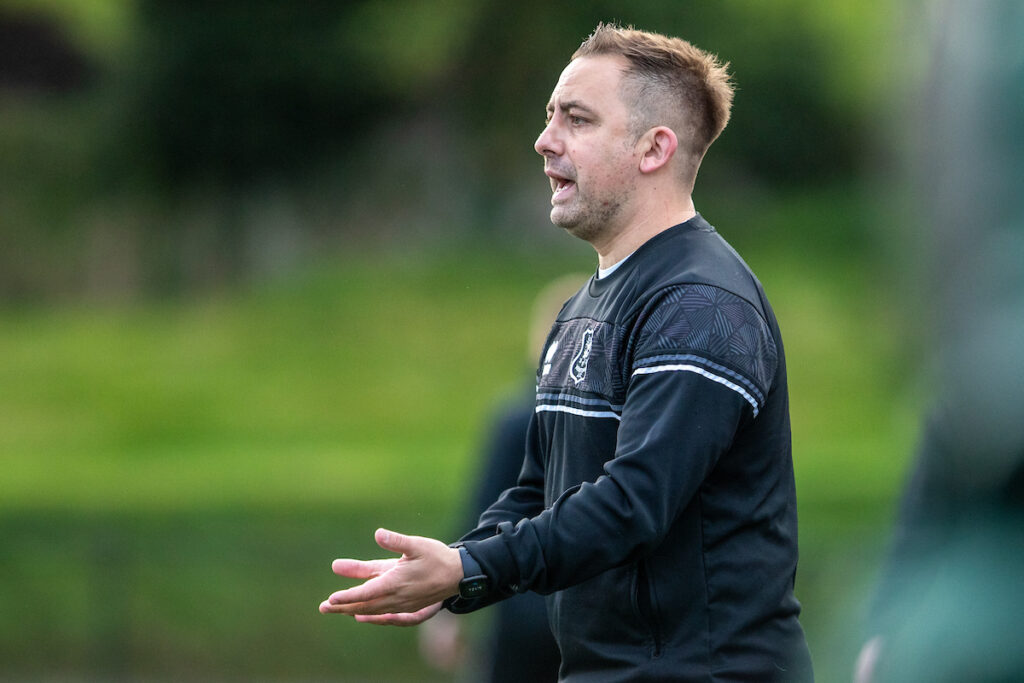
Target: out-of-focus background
pixel 266 267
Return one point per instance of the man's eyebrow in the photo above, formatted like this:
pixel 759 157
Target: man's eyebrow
pixel 571 104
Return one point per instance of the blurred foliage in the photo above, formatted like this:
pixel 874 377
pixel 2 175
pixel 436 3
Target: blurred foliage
pixel 232 92
pixel 369 118
pixel 99 27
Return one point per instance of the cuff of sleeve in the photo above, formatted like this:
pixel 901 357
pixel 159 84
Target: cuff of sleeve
pixel 470 567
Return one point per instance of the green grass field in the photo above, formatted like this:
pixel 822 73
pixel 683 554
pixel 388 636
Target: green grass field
pixel 177 476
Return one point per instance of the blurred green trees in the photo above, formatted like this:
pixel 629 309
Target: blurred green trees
pixel 342 118
pixel 238 91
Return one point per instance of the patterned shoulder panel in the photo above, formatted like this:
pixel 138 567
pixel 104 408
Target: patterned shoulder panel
pixel 705 329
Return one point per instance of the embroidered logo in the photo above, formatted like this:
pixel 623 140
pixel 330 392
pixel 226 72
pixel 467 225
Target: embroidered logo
pixel 578 369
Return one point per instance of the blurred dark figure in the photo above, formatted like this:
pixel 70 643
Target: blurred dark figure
pixel 519 646
pixel 949 603
pixel 36 56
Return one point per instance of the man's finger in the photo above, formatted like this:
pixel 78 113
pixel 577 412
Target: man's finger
pixel 372 607
pixel 371 590
pixel 361 569
pixel 400 619
pixel 395 542
pixel 354 608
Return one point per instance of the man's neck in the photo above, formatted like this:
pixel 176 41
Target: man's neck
pixel 644 226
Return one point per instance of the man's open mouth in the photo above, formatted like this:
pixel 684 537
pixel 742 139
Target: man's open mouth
pixel 560 186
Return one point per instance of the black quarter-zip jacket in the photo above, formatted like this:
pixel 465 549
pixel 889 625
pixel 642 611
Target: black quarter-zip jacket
pixel 656 506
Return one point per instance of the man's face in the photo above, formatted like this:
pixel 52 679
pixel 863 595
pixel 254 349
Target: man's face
pixel 588 152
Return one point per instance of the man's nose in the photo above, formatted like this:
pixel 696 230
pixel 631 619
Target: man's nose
pixel 548 142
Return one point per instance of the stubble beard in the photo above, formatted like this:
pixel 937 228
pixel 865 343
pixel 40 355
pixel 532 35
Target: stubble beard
pixel 589 220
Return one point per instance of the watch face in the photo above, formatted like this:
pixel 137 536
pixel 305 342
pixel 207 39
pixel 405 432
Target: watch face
pixel 473 587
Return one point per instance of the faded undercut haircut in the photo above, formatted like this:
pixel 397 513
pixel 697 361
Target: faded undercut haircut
pixel 669 82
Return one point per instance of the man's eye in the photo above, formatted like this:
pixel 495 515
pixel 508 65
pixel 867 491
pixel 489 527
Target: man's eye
pixel 577 120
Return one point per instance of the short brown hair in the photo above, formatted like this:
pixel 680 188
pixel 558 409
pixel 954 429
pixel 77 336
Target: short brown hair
pixel 669 82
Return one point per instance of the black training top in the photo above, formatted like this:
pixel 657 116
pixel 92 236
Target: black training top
pixel 656 503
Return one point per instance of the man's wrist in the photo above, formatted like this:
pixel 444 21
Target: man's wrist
pixel 474 583
pixel 470 567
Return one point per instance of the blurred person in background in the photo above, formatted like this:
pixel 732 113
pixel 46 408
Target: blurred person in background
pixel 949 602
pixel 520 624
pixel 656 505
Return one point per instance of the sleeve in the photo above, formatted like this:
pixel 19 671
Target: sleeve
pixel 702 365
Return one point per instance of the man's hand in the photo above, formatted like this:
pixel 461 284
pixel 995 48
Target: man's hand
pixel 400 591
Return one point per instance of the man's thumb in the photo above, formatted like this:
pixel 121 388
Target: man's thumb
pixel 395 542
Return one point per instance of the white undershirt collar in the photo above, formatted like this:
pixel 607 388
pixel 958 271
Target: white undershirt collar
pixel 602 273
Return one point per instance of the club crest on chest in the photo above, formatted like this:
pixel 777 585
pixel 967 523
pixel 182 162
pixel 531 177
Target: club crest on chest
pixel 580 360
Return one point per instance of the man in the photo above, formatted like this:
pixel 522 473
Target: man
pixel 656 504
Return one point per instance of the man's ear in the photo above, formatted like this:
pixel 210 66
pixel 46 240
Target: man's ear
pixel 657 147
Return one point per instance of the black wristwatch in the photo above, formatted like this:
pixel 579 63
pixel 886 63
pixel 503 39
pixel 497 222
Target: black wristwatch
pixel 474 583
pixel 474 586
